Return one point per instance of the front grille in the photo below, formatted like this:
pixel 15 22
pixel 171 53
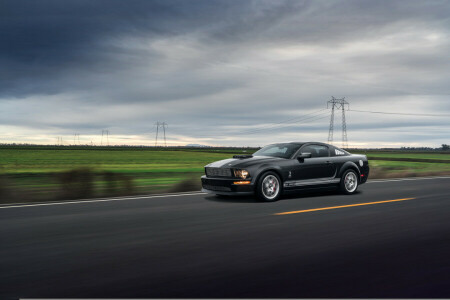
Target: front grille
pixel 218 172
pixel 216 188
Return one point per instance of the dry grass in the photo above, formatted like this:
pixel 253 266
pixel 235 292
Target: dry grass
pixel 382 173
pixel 187 185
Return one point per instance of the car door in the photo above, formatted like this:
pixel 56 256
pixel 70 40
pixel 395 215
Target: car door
pixel 319 166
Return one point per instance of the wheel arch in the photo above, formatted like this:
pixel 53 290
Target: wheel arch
pixel 269 169
pixel 350 166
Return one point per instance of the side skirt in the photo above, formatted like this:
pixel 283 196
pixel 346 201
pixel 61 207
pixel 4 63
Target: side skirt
pixel 310 182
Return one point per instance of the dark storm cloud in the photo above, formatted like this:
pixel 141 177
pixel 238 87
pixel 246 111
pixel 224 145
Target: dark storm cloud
pixel 44 40
pixel 45 44
pixel 52 31
pixel 218 65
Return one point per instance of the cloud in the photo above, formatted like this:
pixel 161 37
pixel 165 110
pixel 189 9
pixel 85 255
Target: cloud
pixel 214 70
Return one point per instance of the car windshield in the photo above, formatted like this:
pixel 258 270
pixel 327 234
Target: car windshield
pixel 278 150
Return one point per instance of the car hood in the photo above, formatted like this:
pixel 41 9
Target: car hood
pixel 242 162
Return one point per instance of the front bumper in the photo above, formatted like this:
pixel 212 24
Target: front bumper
pixel 225 186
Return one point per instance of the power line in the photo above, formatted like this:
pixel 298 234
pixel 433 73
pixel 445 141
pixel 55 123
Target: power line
pixel 402 114
pixel 291 123
pixel 301 122
pixel 291 120
pixel 274 126
pixel 305 120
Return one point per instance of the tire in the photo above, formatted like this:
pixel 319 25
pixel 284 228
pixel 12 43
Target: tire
pixel 269 187
pixel 349 182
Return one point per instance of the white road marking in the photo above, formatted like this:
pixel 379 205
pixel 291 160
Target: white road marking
pixel 16 205
pixel 406 179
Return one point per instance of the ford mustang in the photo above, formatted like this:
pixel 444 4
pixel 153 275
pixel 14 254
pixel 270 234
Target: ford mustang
pixel 280 168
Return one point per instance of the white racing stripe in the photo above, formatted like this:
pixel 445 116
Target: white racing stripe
pixel 16 205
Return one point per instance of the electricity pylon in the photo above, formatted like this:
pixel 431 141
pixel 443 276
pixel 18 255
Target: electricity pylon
pixel 163 126
pixel 338 104
pixel 76 138
pixel 106 133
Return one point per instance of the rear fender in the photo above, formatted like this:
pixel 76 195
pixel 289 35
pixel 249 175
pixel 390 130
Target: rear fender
pixel 349 165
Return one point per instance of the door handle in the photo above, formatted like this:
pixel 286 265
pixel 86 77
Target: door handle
pixel 328 162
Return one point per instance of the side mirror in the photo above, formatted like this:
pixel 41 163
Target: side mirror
pixel 302 156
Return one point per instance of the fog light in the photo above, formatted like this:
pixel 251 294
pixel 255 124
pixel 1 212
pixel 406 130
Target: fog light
pixel 242 182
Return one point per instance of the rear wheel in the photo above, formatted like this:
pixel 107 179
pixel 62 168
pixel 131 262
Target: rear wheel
pixel 349 182
pixel 269 187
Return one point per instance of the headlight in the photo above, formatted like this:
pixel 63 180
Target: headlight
pixel 241 173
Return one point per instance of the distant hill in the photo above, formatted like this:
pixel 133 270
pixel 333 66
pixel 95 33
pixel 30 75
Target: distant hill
pixel 197 146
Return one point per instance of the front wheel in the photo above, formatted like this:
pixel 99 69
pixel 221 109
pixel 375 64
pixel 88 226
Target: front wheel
pixel 349 182
pixel 269 187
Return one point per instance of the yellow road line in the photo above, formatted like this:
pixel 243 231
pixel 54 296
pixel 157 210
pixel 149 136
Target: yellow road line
pixel 334 207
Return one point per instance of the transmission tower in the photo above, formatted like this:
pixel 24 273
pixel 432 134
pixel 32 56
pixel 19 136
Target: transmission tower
pixel 338 104
pixel 106 134
pixel 163 126
pixel 76 138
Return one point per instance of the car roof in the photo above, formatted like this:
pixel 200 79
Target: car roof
pixel 299 143
pixel 302 143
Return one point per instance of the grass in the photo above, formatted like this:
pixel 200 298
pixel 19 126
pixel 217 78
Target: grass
pixel 38 174
pixel 390 169
pixel 437 156
pixel 22 160
pixel 51 173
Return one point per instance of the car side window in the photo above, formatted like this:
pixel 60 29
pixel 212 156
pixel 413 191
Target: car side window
pixel 316 150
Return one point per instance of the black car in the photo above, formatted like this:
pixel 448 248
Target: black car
pixel 280 168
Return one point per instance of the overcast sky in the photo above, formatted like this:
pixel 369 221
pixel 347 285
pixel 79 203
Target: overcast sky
pixel 241 73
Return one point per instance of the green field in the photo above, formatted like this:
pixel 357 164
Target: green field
pixel 19 161
pixel 386 169
pixel 437 156
pixel 51 173
pixel 56 173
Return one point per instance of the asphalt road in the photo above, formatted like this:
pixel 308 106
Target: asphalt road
pixel 202 246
